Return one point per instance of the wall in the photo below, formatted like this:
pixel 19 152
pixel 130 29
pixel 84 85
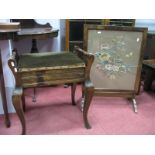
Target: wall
pixel 8 78
pixel 55 44
pixel 150 23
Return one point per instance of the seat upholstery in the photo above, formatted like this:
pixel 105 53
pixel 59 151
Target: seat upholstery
pixel 49 59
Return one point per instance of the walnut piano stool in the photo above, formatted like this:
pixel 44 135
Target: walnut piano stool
pixel 52 68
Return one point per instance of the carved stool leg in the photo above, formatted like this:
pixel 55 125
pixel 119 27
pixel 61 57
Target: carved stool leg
pixel 73 89
pixel 17 102
pixel 23 102
pixel 82 91
pixel 34 95
pixel 88 93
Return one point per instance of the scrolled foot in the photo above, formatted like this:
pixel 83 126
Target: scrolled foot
pixel 86 123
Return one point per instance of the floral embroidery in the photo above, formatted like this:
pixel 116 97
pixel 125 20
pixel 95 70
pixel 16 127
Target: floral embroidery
pixel 110 58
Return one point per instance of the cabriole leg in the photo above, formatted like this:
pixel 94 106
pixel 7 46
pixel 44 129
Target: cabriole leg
pixel 73 89
pixel 17 102
pixel 88 94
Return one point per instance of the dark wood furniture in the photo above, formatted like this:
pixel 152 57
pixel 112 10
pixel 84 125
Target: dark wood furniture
pixel 32 30
pixel 75 29
pixel 118 51
pixel 7 31
pixel 149 61
pixel 149 67
pixel 150 46
pixel 120 22
pixel 45 69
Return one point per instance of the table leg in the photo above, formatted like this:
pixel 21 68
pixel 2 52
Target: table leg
pixel 4 102
pixel 34 95
pixel 34 48
pixel 3 94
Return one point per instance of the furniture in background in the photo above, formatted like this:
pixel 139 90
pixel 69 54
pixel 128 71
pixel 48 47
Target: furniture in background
pixel 75 29
pixel 32 30
pixel 118 51
pixel 7 31
pixel 150 46
pixel 148 59
pixel 120 22
pixel 149 62
pixel 149 67
pixel 45 69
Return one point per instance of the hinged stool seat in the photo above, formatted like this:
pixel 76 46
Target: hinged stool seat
pixel 43 69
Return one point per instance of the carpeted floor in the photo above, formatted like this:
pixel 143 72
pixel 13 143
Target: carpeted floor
pixel 53 114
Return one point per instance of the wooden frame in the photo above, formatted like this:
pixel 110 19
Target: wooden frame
pixel 108 43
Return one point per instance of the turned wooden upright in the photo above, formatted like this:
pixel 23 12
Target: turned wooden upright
pixel 54 68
